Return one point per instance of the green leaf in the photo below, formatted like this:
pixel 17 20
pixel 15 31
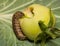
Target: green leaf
pixel 9 7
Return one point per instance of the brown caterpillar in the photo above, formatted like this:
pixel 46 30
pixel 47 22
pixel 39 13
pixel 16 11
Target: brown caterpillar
pixel 16 25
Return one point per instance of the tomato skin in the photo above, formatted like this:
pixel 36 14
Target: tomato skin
pixel 29 24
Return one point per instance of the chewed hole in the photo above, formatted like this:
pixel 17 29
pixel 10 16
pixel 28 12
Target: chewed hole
pixel 31 9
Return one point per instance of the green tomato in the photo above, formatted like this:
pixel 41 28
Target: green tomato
pixel 29 23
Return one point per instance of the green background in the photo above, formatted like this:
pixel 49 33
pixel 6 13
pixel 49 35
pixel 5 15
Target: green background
pixel 9 7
